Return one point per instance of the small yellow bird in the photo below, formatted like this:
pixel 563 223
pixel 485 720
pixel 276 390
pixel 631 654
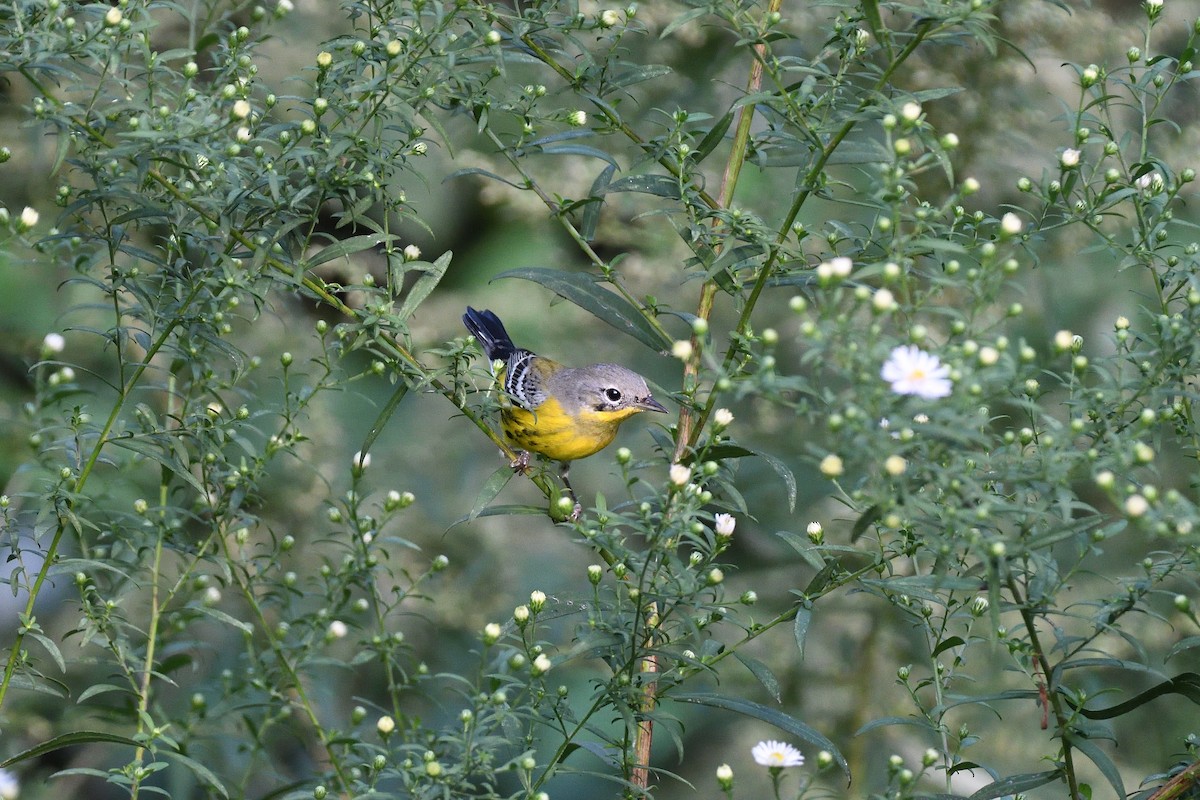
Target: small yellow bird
pixel 564 413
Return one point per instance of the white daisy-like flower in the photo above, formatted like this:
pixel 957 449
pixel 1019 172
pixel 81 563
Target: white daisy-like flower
pixel 910 370
pixel 776 754
pixel 10 787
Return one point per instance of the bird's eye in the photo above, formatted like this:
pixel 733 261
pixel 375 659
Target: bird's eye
pixel 613 394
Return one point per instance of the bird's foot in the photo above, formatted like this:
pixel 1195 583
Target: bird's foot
pixel 520 464
pixel 576 512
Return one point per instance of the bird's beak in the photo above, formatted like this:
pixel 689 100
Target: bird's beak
pixel 650 404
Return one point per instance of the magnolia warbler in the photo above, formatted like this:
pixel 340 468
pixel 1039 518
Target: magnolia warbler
pixel 564 413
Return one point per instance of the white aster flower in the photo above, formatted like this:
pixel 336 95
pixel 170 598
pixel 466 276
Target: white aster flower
pixel 680 474
pixel 361 460
pixel 1069 158
pixel 53 343
pixel 29 218
pixel 831 466
pixel 1011 224
pixel 776 754
pixel 722 418
pixel 10 787
pixel 725 523
pixel 910 370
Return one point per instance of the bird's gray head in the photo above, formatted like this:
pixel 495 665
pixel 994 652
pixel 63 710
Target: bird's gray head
pixel 604 388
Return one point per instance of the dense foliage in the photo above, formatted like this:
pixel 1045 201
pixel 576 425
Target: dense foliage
pixel 894 462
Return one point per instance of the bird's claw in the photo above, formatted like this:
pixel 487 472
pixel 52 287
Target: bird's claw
pixel 576 512
pixel 520 464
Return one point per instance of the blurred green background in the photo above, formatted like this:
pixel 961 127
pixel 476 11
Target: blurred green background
pixel 1011 120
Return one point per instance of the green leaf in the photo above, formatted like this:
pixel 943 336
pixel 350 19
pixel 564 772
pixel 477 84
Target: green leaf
pixel 715 135
pixel 864 521
pixel 640 74
pixel 202 772
pixel 770 716
pixel 221 616
pixel 657 185
pixel 425 284
pixel 800 627
pixel 1097 756
pixel 485 173
pixel 807 550
pixel 870 9
pixel 577 150
pixel 683 19
pixel 507 510
pixel 591 213
pixel 1187 684
pixel 740 451
pixel 946 644
pixel 1015 784
pixel 762 672
pixel 491 487
pixel 68 740
pixel 385 414
pixel 51 648
pixel 99 688
pixel 344 247
pixel 884 722
pixel 585 291
pixel 1182 645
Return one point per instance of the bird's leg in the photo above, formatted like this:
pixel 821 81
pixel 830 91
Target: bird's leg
pixel 565 474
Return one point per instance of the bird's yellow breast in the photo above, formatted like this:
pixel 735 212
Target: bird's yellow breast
pixel 556 434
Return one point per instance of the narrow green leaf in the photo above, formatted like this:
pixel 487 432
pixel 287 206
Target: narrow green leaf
pixel 491 487
pixel 641 74
pixel 657 185
pixel 870 10
pixel 586 292
pixel 715 135
pixel 770 716
pixel 591 212
pixel 1015 784
pixel 946 644
pixel 683 19
pixel 385 414
pixel 1098 757
pixel 48 644
pixel 460 173
pixel 1182 645
pixel 741 451
pixel 864 521
pixel 1187 684
pixel 577 150
pixel 760 671
pixel 508 510
pixel 883 722
pixel 807 550
pixel 206 776
pixel 68 740
pixel 97 689
pixel 221 616
pixel 344 247
pixel 800 627
pixel 430 278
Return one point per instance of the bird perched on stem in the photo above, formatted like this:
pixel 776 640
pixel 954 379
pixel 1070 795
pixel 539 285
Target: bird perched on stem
pixel 563 413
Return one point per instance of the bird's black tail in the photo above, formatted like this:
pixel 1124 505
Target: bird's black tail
pixel 489 330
